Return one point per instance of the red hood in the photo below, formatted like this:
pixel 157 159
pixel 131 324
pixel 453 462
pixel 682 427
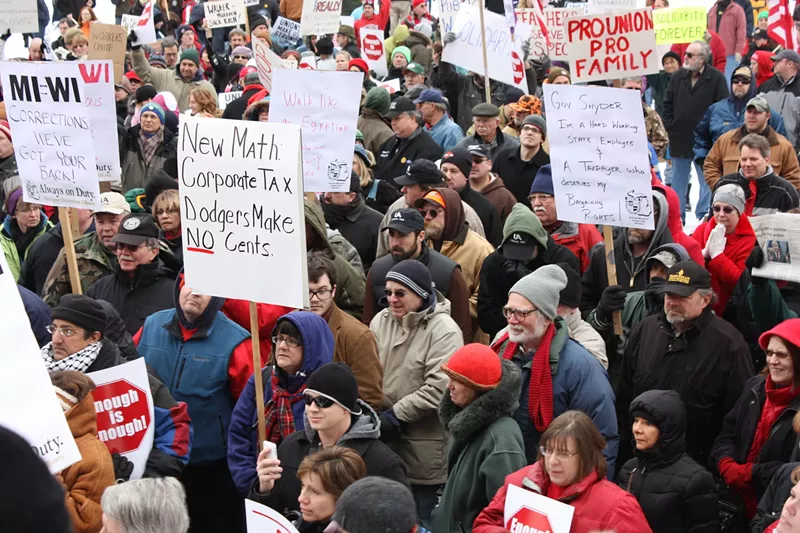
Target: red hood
pixel 239 312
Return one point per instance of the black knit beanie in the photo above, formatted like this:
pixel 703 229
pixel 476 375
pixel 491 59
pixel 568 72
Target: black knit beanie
pixel 82 311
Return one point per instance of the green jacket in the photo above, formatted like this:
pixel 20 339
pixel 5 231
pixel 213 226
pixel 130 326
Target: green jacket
pixel 485 446
pixel 10 247
pixel 767 304
pixel 94 262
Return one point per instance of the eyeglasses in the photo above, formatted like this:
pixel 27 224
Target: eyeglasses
pixel 322 294
pixel 689 54
pixel 780 355
pixel 241 57
pixel 320 401
pixel 740 81
pixel 540 197
pixel 519 314
pixel 65 331
pixel 129 247
pixel 399 293
pixel 727 209
pixel 560 455
pixel 291 342
pixel 170 211
pixel 433 213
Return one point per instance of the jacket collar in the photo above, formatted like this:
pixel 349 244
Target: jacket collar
pixel 697 325
pixel 540 479
pixel 768 134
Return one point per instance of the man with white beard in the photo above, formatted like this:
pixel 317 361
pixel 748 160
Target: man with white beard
pixel 535 337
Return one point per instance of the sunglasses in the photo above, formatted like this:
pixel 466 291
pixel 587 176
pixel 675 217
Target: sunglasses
pixel 689 55
pixel 129 247
pixel 740 81
pixel 727 209
pixel 399 293
pixel 433 213
pixel 320 401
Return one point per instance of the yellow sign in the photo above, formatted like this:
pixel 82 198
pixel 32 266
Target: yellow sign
pixel 679 25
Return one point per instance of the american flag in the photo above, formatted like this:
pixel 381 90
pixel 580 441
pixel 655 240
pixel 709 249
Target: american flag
pixel 537 6
pixel 781 26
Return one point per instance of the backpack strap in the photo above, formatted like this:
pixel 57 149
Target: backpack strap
pixel 373 191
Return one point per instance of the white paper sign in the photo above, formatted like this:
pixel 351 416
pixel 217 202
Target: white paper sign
pixel 129 22
pixel 505 56
pixel 779 237
pixel 599 155
pixel 263 519
pixel 53 144
pixel 609 6
pixel 224 13
pixel 286 29
pixel 320 17
pixel 526 510
pixel 20 16
pixel 347 20
pixel 267 62
pixel 373 51
pixel 145 29
pixel 325 105
pixel 248 3
pixel 611 46
pixel 30 407
pixel 124 406
pixel 554 19
pixel 223 99
pixel 449 11
pixel 390 85
pixel 241 190
pixel 98 76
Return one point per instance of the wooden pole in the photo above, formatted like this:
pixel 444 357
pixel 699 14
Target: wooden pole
pixel 259 383
pixel 69 249
pixel 611 268
pixel 486 84
pixel 105 186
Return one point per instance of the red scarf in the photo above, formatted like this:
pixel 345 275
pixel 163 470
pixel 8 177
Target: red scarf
pixel 540 394
pixel 278 411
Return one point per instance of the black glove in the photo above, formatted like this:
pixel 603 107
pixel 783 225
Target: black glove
pixel 132 38
pixel 756 258
pixel 515 270
pixel 612 299
pixel 122 467
pixel 390 426
pixel 6 35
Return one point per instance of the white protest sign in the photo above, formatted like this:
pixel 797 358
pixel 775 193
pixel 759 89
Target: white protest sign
pixel 248 3
pixel 267 62
pixel 223 99
pixel 554 19
pixel 347 20
pixel 286 29
pixel 98 77
pixel 30 407
pixel 129 22
pixel 325 105
pixel 390 85
pixel 224 13
pixel 320 17
pixel 50 121
pixel 241 190
pixel 145 29
pixel 373 50
pixel 124 406
pixel 511 17
pixel 526 510
pixel 263 519
pixel 608 6
pixel 599 155
pixel 612 45
pixel 779 237
pixel 449 11
pixel 505 56
pixel 20 16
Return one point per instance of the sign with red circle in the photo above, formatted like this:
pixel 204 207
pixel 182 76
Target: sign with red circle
pixel 372 46
pixel 529 521
pixel 527 511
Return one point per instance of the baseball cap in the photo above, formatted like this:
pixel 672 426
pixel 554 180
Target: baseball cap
pixel 135 229
pixel 685 278
pixel 416 68
pixel 791 55
pixel 430 95
pixel 422 172
pixel 480 150
pixel 405 221
pixel 432 197
pixel 760 103
pixel 113 203
pixel 519 246
pixel 399 106
pixel 666 257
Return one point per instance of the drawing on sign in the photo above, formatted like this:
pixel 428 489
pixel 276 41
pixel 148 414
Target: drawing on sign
pixel 638 204
pixel 336 171
pixel 129 22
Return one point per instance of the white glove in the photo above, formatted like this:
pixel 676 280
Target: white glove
pixel 716 242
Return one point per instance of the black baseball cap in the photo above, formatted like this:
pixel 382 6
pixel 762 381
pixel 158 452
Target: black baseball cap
pixel 399 106
pixel 405 221
pixel 685 278
pixel 519 246
pixel 421 171
pixel 135 229
pixel 480 150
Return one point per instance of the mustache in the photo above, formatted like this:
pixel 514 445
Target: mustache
pixel 539 209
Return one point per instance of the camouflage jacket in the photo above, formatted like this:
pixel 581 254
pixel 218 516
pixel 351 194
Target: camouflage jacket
pixel 94 262
pixel 656 133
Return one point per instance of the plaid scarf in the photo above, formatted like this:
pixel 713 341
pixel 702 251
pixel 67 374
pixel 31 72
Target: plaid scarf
pixel 150 144
pixel 278 411
pixel 80 361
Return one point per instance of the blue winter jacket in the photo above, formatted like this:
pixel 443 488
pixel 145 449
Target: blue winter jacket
pixel 38 314
pixel 243 445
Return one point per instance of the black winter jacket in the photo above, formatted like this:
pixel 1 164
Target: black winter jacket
pixel 677 495
pixel 774 194
pixel 235 110
pixel 771 504
pixel 41 257
pixel 358 224
pixel 490 217
pixel 395 154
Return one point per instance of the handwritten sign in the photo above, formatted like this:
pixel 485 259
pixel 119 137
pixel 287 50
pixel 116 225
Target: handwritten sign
pixel 287 30
pixel 145 28
pixel 679 25
pixel 241 188
pixel 373 51
pixel 609 6
pixel 20 16
pixel 320 17
pixel 107 41
pixel 30 407
pixel 99 95
pixel 612 45
pixel 263 519
pixel 528 511
pixel 46 108
pixel 224 13
pixel 267 62
pixel 129 22
pixel 449 11
pixel 608 182
pixel 223 99
pixel 554 17
pixel 325 105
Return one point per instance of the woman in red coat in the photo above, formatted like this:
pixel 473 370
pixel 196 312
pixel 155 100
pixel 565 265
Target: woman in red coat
pixel 571 469
pixel 727 239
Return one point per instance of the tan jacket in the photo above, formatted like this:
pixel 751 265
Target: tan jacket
pixel 723 159
pixel 168 80
pixel 412 351
pixel 582 332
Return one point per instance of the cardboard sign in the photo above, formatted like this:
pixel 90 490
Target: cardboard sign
pixel 287 30
pixel 449 11
pixel 145 29
pixel 30 407
pixel 267 62
pixel 599 155
pixel 554 18
pixel 224 13
pixel 108 41
pixel 263 519
pixel 610 6
pixel 20 16
pixel 99 95
pixel 46 107
pixel 528 511
pixel 325 105
pixel 223 99
pixel 320 17
pixel 124 406
pixel 612 46
pixel 129 22
pixel 241 190
pixel 679 25
pixel 505 56
pixel 373 51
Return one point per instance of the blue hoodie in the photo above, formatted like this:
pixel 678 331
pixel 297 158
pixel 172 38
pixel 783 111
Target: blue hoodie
pixel 243 445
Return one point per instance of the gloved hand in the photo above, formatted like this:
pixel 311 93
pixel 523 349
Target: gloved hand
pixel 735 475
pixel 756 258
pixel 612 299
pixel 716 242
pixel 391 430
pixel 515 270
pixel 132 38
pixel 448 38
pixel 526 50
pixel 122 467
pixel 6 35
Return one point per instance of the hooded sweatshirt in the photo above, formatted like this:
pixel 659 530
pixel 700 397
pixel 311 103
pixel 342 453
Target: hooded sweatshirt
pixel 675 226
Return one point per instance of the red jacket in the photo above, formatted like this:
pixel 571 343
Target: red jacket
pixel 718 55
pixel 378 20
pixel 732 27
pixel 579 242
pixel 599 505
pixel 694 250
pixel 727 267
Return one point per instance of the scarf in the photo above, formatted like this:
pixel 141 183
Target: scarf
pixel 150 144
pixel 278 411
pixel 540 394
pixel 80 361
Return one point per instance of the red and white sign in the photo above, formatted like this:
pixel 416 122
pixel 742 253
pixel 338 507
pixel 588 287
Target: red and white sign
pixel 527 511
pixel 554 20
pixel 124 408
pixel 262 519
pixel 267 62
pixel 392 86
pixel 373 50
pixel 145 29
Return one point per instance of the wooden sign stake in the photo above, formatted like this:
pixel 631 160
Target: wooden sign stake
pixel 69 248
pixel 611 268
pixel 259 383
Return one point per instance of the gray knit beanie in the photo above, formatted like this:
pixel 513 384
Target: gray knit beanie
pixel 731 194
pixel 542 288
pixel 376 504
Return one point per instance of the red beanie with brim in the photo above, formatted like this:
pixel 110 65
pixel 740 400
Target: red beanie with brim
pixel 788 330
pixel 476 366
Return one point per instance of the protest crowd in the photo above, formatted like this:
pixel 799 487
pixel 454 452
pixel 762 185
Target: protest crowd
pixel 465 362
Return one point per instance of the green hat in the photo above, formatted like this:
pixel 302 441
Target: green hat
pixel 402 50
pixel 416 68
pixel 344 29
pixel 485 110
pixel 192 55
pixel 378 99
pixel 763 15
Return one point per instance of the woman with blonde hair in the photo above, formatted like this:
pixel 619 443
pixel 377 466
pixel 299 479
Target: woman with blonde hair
pixel 203 103
pixel 167 214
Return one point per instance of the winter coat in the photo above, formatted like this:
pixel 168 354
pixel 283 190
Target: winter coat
pixel 485 446
pixel 358 224
pixel 500 142
pixel 169 80
pixel 518 175
pixel 677 495
pixel 675 226
pixel 374 129
pixel 783 97
pixel 38 315
pixel 599 504
pixel 500 197
pixel 412 351
pixel 235 110
pixel 766 195
pixel 585 335
pixel 732 27
pixel 243 445
pixel 708 365
pixel 41 258
pixel 463 94
pixel 94 261
pixel 771 504
pixel 135 172
pixel 292 9
pixel 685 105
pixel 578 239
pixel 727 268
pixel 9 232
pixel 445 132
pixel 362 436
pixel 380 195
pixel 421 50
pixel 395 155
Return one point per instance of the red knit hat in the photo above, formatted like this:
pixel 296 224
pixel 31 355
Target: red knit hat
pixel 474 365
pixel 5 129
pixel 788 330
pixel 360 64
pixel 415 3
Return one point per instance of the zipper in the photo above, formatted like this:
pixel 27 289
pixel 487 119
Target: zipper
pixel 180 373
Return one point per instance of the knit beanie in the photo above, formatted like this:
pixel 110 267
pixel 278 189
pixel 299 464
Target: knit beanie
pixel 538 122
pixel 359 136
pixel 476 366
pixel 180 30
pixel 5 128
pixel 376 504
pixel 402 50
pixel 360 64
pixel 416 277
pixel 361 152
pixel 158 61
pixel 732 194
pixel 291 53
pixel 379 100
pixel 557 72
pixel 145 93
pixel 336 382
pixel 542 288
pixel 153 107
pixel 673 55
pixel 192 55
pixel 460 157
pixel 543 183
pixel 242 51
pixel 82 311
pixel 13 200
pixel 167 102
pixel 571 294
